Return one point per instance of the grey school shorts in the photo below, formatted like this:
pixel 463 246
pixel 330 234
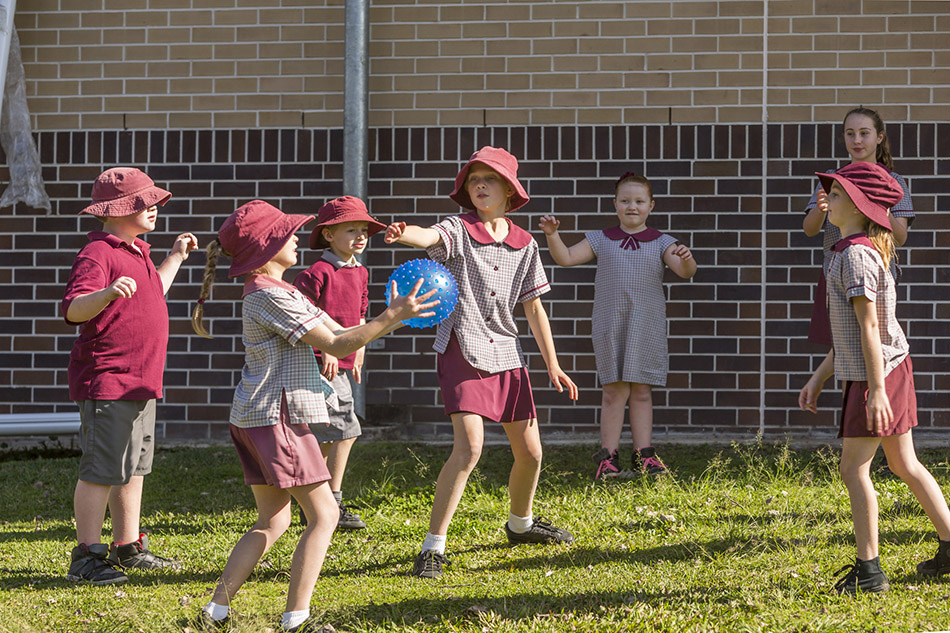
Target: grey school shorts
pixel 343 421
pixel 117 440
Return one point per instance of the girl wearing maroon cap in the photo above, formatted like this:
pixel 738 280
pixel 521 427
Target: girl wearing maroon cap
pixel 280 393
pixel 629 318
pixel 480 365
pixel 871 357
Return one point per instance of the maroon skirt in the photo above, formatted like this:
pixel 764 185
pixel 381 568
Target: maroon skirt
pixel 899 386
pixel 281 455
pixel 819 331
pixel 502 397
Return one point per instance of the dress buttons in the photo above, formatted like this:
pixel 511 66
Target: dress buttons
pixel 496 267
pixel 491 340
pixel 493 293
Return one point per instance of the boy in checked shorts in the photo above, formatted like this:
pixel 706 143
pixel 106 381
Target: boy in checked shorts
pixel 117 298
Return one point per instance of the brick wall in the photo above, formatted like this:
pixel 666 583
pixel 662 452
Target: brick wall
pixel 708 186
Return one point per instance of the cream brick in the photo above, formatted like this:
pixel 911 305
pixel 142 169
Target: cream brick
pixel 644 116
pixel 166 103
pixel 576 63
pixel 639 45
pixel 213 102
pixel 112 104
pixel 168 69
pixel 836 78
pixel 693 115
pixel 885 77
pixel 817 60
pixel 271 15
pixel 669 97
pixel 281 84
pixel 258 34
pixel 58 55
pixel 378 49
pixel 669 62
pixel 171 35
pixel 719 26
pixel 377 118
pixel 695 44
pixel 191 52
pixel 811 96
pixel 96 20
pixel 325 15
pixel 886 42
pixel 224 85
pixel 930 77
pixel 885 7
pixel 311 50
pixel 929 113
pixel 124 36
pixel 622 98
pixel 790 7
pixel 461 117
pixel 39 37
pixel 742 114
pixel 716 61
pixel 553 117
pixel 928 41
pixel 376 84
pixel 703 97
pixel 623 28
pixel 414 118
pixel 212 4
pixel 509 47
pixel 392 31
pixel 669 27
pixel 554 47
pixel 912 23
pixel 553 81
pixel 147 52
pixel 750 96
pixel 416 49
pixel 694 80
pixel 640 10
pixel 191 18
pixel 462 48
pixel 93 121
pixel 941 95
pixel 600 46
pixel 296 67
pixel 905 94
pixel 574 99
pixel 507 12
pixel 740 7
pixel 85 37
pixel 146 87
pixel 427 65
pixel 234 17
pixel 146 120
pixel 741 43
pixel 190 85
pixel 148 19
pixel 328 84
pixel 43 104
pixel 941 59
pixel 335 119
pixel 791 77
pixel 460 13
pixel 415 83
pixel 397 101
pixel 507 116
pixel 279 119
pixel 224 52
pixel 301 33
pixel 857 95
pixel 461 82
pixel 91 70
pixel 864 59
pixel 778 96
pixel 258 102
pixel 576 29
pixel 485 99
pixel 792 43
pixel 95 104
pixel 482 65
pixel 600 81
pixel 863 24
pixel 599 116
pixel 211 69
pixel 190 120
pixel 71 88
pixel 420 14
pixel 56 122
pixel 909 59
pixel 622 62
pixel 235 120
pixel 640 81
pixel 528 99
pixel 753 61
pixel 556 11
pixel 214 34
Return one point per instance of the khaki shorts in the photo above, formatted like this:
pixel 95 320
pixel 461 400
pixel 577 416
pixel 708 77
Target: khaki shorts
pixel 343 421
pixel 116 437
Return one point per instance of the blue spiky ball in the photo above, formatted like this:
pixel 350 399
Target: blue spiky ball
pixel 435 276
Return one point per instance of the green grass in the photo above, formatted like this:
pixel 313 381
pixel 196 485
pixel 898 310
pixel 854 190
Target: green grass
pixel 744 538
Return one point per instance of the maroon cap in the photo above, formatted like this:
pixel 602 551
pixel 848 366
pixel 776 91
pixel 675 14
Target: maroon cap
pixel 501 161
pixel 871 188
pixel 338 211
pixel 122 191
pixel 255 233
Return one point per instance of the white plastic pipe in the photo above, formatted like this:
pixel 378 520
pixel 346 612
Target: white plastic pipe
pixel 7 9
pixel 39 424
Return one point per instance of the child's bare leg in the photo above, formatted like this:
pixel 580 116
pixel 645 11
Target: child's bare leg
pixel 468 437
pixel 322 514
pixel 855 468
pixel 612 404
pixel 902 459
pixel 641 415
pixel 89 505
pixel 125 508
pixel 523 480
pixel 336 455
pixel 273 519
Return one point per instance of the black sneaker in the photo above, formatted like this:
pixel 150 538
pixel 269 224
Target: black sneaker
pixel 646 462
pixel 864 576
pixel 91 564
pixel 429 564
pixel 939 564
pixel 608 464
pixel 350 520
pixel 204 622
pixel 541 531
pixel 135 555
pixel 311 626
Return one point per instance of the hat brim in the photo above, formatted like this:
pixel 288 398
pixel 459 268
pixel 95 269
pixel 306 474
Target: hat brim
pixel 316 235
pixel 130 204
pixel 517 200
pixel 279 233
pixel 872 211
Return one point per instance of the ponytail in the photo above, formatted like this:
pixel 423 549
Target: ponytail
pixel 883 154
pixel 214 250
pixel 883 242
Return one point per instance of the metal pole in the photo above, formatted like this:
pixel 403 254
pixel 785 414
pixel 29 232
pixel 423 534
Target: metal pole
pixel 356 121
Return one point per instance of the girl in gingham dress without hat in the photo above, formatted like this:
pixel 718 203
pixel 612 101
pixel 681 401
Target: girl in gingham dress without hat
pixel 871 357
pixel 480 366
pixel 280 393
pixel 629 317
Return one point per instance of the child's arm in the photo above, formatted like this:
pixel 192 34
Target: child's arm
pixel 330 337
pixel 184 244
pixel 808 397
pixel 88 306
pixel 815 218
pixel 680 260
pixel 541 329
pixel 580 253
pixel 879 410
pixel 358 361
pixel 411 235
pixel 898 228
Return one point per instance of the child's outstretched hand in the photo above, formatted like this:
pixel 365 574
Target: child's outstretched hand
pixel 549 224
pixel 681 251
pixel 184 244
pixel 822 201
pixel 808 396
pixel 123 287
pixel 394 231
pixel 560 380
pixel 412 306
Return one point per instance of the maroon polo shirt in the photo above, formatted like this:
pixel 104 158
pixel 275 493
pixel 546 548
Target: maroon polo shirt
pixel 120 353
pixel 339 290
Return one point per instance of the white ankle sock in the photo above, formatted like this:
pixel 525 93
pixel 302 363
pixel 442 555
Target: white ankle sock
pixel 435 542
pixel 216 611
pixel 290 619
pixel 519 525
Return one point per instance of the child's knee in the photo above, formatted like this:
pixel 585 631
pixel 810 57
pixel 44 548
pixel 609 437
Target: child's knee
pixel 467 456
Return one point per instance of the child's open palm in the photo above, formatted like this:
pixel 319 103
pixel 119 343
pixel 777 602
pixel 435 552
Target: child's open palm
pixel 549 224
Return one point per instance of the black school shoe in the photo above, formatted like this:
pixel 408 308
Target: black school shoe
pixel 541 531
pixel 311 626
pixel 204 622
pixel 91 564
pixel 864 576
pixel 939 564
pixel 429 564
pixel 350 520
pixel 135 555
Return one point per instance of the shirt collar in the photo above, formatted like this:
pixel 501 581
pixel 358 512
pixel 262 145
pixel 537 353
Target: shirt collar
pixel 115 242
pixel 253 283
pixel 338 262
pixel 857 238
pixel 517 237
pixel 631 241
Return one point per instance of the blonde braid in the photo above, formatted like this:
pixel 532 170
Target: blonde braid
pixel 214 250
pixel 883 242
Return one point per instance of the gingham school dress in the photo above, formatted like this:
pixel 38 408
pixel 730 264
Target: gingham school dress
pixel 629 317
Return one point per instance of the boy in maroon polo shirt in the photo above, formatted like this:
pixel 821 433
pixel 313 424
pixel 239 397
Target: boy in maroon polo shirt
pixel 337 284
pixel 117 298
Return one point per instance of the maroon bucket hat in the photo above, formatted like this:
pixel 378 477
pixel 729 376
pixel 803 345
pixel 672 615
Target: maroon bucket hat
pixel 871 188
pixel 255 233
pixel 501 161
pixel 338 211
pixel 122 191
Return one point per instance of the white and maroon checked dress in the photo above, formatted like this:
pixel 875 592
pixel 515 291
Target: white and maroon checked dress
pixel 629 317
